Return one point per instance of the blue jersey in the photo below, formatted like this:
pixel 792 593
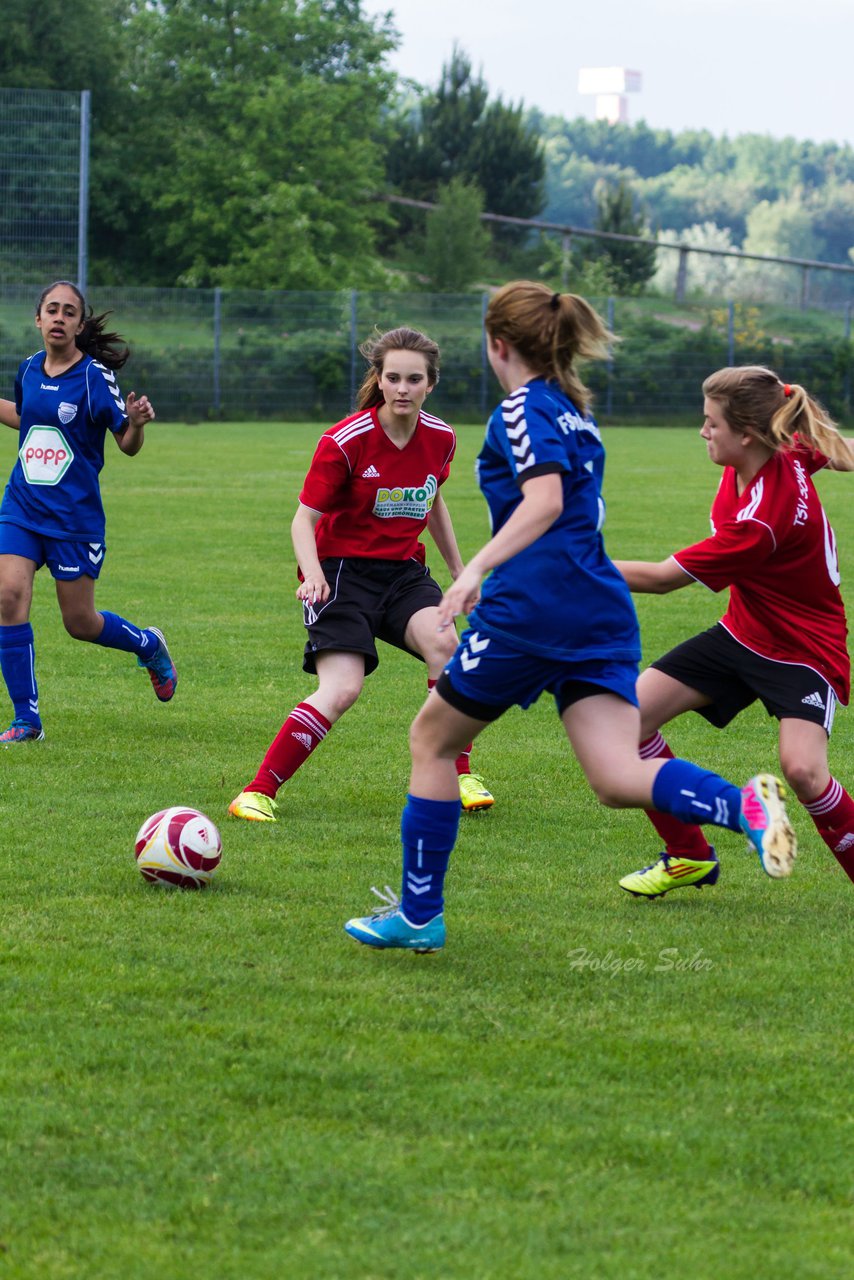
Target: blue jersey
pixel 561 597
pixel 54 488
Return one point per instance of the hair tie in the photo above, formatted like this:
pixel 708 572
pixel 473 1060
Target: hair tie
pixel 554 301
pixel 787 390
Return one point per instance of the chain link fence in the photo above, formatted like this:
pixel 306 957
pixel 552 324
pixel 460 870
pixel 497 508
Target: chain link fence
pixel 40 177
pixel 285 356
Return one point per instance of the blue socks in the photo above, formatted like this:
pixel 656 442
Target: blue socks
pixel 120 634
pixel 428 829
pixel 695 795
pixel 18 664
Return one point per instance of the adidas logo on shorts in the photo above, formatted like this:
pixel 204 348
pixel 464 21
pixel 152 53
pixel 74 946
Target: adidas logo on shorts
pixel 813 700
pixel 371 473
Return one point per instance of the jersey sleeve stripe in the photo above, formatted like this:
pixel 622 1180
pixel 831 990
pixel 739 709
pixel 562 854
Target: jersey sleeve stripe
pixel 355 428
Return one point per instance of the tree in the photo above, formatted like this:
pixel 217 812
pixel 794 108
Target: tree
pixel 456 243
pixel 630 266
pixel 261 149
pixel 455 131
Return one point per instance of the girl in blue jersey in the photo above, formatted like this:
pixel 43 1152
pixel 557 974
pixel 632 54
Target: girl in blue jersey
pixel 554 614
pixel 66 400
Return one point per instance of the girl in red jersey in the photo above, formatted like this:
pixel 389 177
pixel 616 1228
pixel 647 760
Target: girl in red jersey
pixel 372 488
pixel 783 637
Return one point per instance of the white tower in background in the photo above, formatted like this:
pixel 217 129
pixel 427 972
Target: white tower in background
pixel 610 85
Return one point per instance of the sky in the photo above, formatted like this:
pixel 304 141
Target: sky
pixel 776 67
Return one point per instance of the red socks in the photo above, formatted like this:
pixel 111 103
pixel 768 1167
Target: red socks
pixel 304 729
pixel 833 815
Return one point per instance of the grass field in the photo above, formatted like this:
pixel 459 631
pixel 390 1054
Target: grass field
pixel 224 1085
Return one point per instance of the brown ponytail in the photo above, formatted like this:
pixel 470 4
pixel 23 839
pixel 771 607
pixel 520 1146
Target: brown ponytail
pixel 755 401
pixel 550 331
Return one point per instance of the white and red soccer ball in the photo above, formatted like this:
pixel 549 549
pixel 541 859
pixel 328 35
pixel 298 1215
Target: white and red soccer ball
pixel 180 847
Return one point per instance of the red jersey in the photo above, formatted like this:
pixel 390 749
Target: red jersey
pixel 375 497
pixel 774 548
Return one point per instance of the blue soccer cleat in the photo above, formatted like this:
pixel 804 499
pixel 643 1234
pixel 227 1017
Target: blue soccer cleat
pixel 766 824
pixel 21 731
pixel 389 927
pixel 161 668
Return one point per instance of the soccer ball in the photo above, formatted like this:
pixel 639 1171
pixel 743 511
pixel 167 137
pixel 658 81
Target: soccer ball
pixel 178 847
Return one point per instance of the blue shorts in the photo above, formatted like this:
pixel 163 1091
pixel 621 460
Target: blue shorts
pixel 486 676
pixel 66 560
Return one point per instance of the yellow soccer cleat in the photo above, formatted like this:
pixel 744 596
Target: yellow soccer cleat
pixel 473 793
pixel 672 872
pixel 254 806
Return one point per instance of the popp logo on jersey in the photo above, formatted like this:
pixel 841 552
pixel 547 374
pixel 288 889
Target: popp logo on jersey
pixel 414 502
pixel 45 455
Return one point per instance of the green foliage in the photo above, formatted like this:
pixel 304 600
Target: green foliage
pixel 457 243
pixel 244 144
pixel 262 140
pixel 629 266
pixel 691 178
pixel 456 131
pixel 223 1084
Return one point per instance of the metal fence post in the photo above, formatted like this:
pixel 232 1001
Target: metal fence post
pixel 682 273
pixel 83 193
pixel 354 306
pixel 805 288
pixel 484 359
pixel 730 333
pixel 609 392
pixel 846 381
pixel 565 261
pixel 217 335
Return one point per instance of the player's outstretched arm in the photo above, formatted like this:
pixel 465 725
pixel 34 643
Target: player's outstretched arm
pixel 542 503
pixel 441 530
pixel 9 414
pixel 314 588
pixel 649 577
pixel 132 437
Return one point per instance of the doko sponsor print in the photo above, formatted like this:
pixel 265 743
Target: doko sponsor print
pixel 414 503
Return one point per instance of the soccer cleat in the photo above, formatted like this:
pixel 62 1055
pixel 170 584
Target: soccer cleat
pixel 473 793
pixel 161 669
pixel 22 731
pixel 253 805
pixel 766 824
pixel 672 872
pixel 389 927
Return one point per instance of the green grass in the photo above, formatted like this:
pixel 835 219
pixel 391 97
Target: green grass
pixel 222 1084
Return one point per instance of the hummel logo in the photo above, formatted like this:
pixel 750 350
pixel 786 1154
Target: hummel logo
pixel 371 473
pixel 813 700
pixel 304 739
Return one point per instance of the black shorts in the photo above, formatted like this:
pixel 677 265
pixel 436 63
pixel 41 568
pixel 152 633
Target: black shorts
pixel 369 600
pixel 733 676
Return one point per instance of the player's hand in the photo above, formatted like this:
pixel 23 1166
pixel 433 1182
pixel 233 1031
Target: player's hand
pixel 313 589
pixel 461 597
pixel 139 409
